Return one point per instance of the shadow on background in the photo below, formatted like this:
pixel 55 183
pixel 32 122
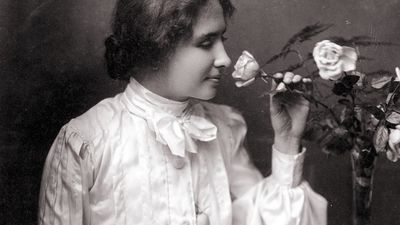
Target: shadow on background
pixel 52 70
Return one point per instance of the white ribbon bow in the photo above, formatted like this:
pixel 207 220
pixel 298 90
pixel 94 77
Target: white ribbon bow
pixel 178 132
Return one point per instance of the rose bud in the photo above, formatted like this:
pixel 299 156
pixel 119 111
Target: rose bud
pixel 246 70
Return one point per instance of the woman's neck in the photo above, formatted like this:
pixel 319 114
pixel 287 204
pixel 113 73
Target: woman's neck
pixel 155 82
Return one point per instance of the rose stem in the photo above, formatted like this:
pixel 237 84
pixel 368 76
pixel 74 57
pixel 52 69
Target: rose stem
pixel 322 104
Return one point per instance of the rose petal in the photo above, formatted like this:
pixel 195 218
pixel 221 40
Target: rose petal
pixel 244 83
pixel 335 67
pixel 330 74
pixel 349 58
pixel 239 64
pixel 398 74
pixel 348 64
pixel 394 136
pixel 394 144
pixel 392 157
pixel 252 65
pixel 236 74
pixel 239 84
pixel 349 52
pixel 391 144
pixel 397 150
pixel 248 54
pixel 250 70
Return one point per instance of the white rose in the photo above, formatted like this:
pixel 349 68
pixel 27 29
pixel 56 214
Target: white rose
pixel 393 153
pixel 332 59
pixel 246 69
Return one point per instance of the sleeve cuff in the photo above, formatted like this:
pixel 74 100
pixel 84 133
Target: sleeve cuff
pixel 287 170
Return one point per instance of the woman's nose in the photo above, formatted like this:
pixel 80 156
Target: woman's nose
pixel 222 59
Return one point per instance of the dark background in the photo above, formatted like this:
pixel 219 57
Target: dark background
pixel 52 69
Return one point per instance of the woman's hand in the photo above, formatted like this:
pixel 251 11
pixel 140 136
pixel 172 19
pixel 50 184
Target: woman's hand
pixel 289 111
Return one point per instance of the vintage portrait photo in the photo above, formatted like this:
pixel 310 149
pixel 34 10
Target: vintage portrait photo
pixel 200 112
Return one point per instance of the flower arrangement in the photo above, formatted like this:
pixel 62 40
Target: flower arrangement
pixel 361 112
pixel 356 117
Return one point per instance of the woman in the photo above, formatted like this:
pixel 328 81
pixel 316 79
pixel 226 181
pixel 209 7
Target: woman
pixel 158 153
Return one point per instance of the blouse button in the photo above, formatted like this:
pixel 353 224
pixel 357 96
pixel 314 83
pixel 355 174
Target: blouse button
pixel 178 162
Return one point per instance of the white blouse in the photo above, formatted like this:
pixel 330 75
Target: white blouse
pixel 139 158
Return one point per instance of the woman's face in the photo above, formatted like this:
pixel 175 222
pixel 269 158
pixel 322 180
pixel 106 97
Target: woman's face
pixel 195 68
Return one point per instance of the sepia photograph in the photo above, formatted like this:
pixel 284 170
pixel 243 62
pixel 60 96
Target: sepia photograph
pixel 200 112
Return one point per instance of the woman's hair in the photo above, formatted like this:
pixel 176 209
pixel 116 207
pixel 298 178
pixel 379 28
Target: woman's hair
pixel 145 32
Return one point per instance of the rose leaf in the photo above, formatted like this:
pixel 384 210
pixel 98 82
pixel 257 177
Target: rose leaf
pixel 375 111
pixel 341 89
pixel 379 82
pixel 350 80
pixel 381 138
pixel 394 118
pixel 338 89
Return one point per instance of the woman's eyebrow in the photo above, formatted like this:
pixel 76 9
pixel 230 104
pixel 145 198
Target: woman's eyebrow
pixel 212 34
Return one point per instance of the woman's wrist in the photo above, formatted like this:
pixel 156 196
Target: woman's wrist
pixel 287 145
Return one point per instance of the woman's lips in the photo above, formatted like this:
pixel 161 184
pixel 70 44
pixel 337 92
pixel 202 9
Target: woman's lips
pixel 215 78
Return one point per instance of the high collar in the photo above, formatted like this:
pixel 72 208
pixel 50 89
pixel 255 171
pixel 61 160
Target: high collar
pixel 136 91
pixel 174 123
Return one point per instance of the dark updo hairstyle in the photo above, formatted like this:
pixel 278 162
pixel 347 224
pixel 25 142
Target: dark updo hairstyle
pixel 145 32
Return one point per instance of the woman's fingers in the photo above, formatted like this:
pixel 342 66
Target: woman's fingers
pixel 281 87
pixel 285 81
pixel 290 81
pixel 296 78
pixel 278 75
pixel 288 77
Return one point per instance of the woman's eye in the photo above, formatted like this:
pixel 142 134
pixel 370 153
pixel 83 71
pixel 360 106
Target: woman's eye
pixel 206 44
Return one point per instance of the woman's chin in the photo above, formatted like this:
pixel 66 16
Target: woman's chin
pixel 210 94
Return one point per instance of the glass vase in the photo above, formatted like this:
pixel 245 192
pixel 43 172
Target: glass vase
pixel 363 165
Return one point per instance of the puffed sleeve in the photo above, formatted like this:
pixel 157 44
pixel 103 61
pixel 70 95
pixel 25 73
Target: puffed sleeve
pixel 283 198
pixel 66 180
